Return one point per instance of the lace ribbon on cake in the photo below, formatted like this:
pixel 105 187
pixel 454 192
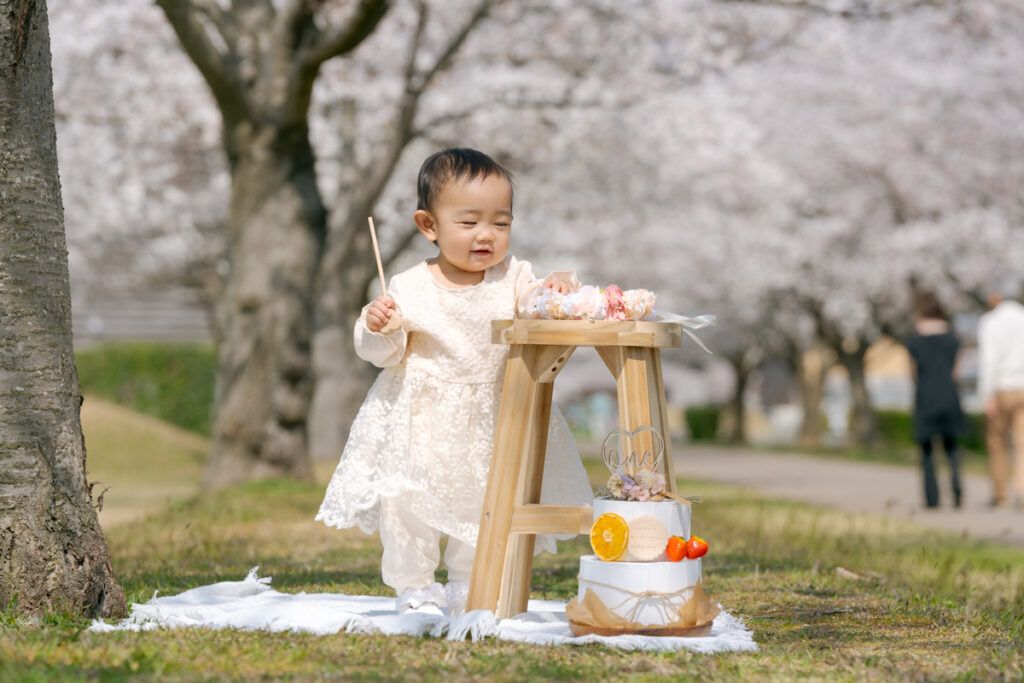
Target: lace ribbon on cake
pixel 693 618
pixel 663 602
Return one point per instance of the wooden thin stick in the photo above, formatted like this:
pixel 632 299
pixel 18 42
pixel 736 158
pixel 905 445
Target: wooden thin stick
pixel 376 252
pixel 394 318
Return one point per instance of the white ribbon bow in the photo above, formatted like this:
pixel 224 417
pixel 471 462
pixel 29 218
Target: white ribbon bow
pixel 688 323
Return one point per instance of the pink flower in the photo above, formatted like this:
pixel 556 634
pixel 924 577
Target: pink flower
pixel 616 306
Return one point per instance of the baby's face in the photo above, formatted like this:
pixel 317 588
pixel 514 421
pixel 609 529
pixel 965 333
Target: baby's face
pixel 474 222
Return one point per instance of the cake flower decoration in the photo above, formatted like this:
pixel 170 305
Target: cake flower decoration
pixel 634 476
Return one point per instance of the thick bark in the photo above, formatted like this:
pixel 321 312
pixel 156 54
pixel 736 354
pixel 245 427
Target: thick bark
pixel 811 370
pixel 342 378
pixel 864 422
pixel 347 281
pixel 265 311
pixel 850 353
pixel 260 61
pixel 342 382
pixel 342 287
pixel 743 364
pixel 53 556
pixel 737 408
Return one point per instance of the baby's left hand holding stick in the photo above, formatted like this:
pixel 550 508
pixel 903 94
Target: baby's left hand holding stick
pixel 380 313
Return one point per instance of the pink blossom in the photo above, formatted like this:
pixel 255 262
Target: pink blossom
pixel 616 306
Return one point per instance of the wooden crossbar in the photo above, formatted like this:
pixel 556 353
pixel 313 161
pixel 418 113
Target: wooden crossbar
pixel 551 519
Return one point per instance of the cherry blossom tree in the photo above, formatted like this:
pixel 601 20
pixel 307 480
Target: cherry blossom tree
pixel 53 556
pixel 365 113
pixel 872 189
pixel 775 155
pixel 846 183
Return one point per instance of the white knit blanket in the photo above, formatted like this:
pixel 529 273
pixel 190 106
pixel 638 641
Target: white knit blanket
pixel 251 604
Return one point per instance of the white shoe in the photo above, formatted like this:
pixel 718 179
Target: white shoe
pixel 456 593
pixel 427 600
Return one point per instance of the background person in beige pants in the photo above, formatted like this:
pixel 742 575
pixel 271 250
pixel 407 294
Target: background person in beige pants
pixel 1001 387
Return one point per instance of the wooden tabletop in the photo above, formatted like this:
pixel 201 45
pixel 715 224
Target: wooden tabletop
pixel 587 333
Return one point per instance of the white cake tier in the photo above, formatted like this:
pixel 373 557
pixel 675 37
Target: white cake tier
pixel 648 593
pixel 675 516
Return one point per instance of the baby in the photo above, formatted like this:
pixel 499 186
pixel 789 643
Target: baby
pixel 416 461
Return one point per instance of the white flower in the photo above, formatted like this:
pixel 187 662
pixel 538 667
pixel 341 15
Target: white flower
pixel 638 302
pixel 586 303
pixel 615 486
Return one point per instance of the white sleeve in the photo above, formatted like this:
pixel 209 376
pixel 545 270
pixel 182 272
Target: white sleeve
pixel 383 350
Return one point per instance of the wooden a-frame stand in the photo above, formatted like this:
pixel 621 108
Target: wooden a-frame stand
pixel 512 515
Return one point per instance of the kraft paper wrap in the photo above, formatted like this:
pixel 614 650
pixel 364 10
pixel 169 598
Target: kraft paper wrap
pixel 591 615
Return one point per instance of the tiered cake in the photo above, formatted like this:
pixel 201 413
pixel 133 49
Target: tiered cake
pixel 640 579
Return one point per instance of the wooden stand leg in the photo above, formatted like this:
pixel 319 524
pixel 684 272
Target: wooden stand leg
pixel 641 397
pixel 515 585
pixel 501 575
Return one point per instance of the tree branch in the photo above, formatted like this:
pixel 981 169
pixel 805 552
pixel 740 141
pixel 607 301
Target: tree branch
pixel 854 9
pixel 409 70
pixel 219 18
pixel 182 15
pixel 346 38
pixel 401 131
pixel 379 173
pixel 482 9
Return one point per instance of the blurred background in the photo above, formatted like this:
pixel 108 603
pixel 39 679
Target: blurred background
pixel 798 168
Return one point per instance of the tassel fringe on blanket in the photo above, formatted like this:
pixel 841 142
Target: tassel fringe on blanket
pixel 251 604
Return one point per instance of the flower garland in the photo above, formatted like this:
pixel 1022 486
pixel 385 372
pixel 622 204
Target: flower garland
pixel 591 303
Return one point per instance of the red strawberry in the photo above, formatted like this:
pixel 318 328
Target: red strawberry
pixel 696 547
pixel 676 548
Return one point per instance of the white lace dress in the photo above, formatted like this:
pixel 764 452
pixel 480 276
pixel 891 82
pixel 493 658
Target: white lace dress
pixel 426 429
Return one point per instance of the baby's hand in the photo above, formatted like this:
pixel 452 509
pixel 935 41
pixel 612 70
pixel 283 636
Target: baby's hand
pixel 379 312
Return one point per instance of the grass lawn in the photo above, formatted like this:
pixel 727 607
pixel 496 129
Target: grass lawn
pixel 910 604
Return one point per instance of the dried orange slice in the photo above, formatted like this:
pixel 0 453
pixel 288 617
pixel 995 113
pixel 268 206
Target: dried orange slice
pixel 609 536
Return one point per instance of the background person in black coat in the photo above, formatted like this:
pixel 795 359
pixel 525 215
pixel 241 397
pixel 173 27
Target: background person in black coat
pixel 937 413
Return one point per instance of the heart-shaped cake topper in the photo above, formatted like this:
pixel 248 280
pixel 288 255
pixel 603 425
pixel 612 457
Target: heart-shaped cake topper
pixel 621 440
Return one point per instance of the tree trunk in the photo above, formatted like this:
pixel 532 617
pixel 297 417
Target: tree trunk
pixel 812 369
pixel 53 556
pixel 265 311
pixel 342 378
pixel 864 423
pixel 850 353
pixel 261 60
pixel 341 385
pixel 737 430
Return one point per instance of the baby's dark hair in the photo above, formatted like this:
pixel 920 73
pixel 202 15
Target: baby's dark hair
pixel 453 164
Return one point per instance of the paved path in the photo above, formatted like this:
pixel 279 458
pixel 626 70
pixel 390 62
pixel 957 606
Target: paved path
pixel 881 489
